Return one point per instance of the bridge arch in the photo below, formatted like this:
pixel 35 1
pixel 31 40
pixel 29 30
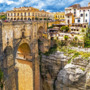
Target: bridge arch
pixel 25 67
pixel 40 31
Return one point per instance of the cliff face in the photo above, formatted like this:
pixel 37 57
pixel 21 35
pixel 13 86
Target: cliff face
pixel 57 74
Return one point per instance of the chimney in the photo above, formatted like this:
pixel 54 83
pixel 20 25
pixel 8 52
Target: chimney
pixel 89 4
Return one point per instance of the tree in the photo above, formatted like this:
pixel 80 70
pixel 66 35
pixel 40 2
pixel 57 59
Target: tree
pixel 87 38
pixel 65 28
pixel 66 37
pixel 75 38
pixel 83 30
pixel 3 17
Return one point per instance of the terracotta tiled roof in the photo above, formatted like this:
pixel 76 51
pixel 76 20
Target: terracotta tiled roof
pixel 69 14
pixel 75 5
pixel 85 8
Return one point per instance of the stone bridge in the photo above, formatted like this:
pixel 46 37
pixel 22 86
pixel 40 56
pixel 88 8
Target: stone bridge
pixel 19 58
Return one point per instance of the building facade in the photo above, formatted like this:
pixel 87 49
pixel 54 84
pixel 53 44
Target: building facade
pixel 77 14
pixel 28 13
pixel 59 16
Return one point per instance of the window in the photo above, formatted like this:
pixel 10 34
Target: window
pixel 29 19
pixel 14 14
pixel 21 14
pixel 81 15
pixel 83 10
pixel 14 18
pixel 86 14
pixel 32 14
pixel 8 14
pixel 86 20
pixel 11 14
pixel 25 13
pixel 68 16
pixel 78 20
pixel 74 12
pixel 18 14
pixel 28 14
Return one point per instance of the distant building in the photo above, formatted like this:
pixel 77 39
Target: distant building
pixel 59 16
pixel 2 13
pixel 28 13
pixel 77 14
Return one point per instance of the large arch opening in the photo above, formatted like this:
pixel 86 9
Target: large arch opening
pixel 40 32
pixel 25 68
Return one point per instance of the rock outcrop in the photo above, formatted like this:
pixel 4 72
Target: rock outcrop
pixel 74 76
pixel 57 74
pixel 50 67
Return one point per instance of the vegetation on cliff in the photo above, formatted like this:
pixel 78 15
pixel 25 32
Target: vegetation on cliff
pixel 1 79
pixel 87 39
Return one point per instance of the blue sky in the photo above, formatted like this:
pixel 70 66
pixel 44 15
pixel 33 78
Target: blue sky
pixel 47 5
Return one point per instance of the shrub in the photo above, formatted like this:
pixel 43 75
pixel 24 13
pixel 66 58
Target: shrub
pixel 51 50
pixel 1 79
pixel 66 37
pixel 83 30
pixel 65 28
pixel 3 17
pixel 75 38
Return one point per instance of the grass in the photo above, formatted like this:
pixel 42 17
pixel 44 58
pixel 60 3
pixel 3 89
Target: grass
pixel 69 61
pixel 74 53
pixel 83 69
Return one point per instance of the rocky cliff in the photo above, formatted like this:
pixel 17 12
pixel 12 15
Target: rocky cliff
pixel 59 74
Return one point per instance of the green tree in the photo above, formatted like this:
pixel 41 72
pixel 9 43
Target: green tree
pixel 64 28
pixel 66 37
pixel 75 38
pixel 83 30
pixel 3 17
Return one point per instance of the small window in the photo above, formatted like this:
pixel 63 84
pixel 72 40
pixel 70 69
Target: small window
pixel 18 14
pixel 11 14
pixel 86 20
pixel 25 13
pixel 14 14
pixel 21 14
pixel 28 14
pixel 81 15
pixel 78 20
pixel 86 14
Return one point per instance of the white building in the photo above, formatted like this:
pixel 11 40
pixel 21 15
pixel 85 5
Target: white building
pixel 77 14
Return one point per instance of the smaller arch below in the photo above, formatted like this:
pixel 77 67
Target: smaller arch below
pixel 40 31
pixel 24 52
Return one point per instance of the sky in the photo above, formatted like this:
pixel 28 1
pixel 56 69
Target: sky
pixel 47 5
